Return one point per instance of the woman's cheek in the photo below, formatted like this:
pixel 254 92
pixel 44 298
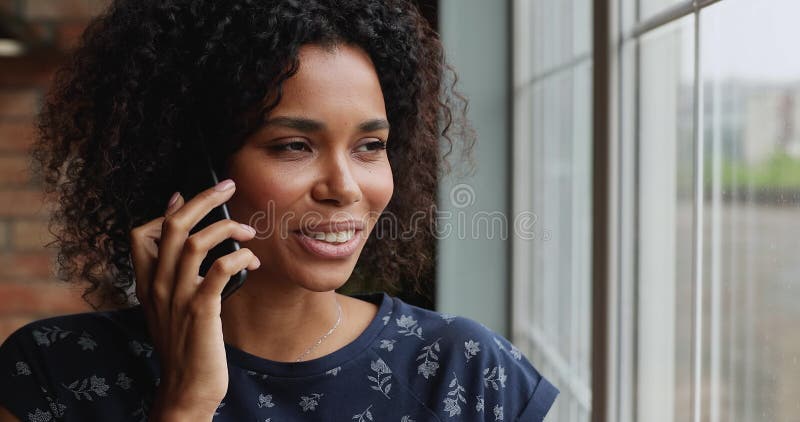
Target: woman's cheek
pixel 384 186
pixel 273 202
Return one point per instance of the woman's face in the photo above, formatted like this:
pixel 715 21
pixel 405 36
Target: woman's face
pixel 319 159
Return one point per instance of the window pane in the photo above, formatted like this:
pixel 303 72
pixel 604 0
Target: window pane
pixel 560 32
pixel 752 210
pixel 648 8
pixel 560 263
pixel 552 127
pixel 665 175
pixel 582 24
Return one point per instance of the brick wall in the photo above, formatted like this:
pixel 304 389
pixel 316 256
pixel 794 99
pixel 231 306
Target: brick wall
pixel 28 287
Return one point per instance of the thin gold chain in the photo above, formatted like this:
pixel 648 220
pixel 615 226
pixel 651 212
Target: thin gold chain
pixel 321 339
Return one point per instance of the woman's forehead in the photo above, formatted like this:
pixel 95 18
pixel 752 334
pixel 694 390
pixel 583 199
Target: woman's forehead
pixel 330 82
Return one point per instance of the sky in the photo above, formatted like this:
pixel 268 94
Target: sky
pixel 751 40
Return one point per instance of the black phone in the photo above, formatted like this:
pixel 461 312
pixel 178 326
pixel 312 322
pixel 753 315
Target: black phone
pixel 196 179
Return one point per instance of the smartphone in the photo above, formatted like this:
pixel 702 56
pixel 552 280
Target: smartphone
pixel 196 179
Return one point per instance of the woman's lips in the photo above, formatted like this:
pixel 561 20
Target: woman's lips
pixel 329 250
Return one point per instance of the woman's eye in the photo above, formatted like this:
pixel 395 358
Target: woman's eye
pixel 372 146
pixel 299 146
pixel 291 146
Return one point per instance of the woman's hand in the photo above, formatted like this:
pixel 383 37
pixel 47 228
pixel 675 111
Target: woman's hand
pixel 182 308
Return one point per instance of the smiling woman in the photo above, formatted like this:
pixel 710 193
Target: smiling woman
pixel 326 117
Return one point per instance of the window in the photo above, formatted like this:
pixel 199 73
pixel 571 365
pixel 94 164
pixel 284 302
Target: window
pixel 704 167
pixel 552 167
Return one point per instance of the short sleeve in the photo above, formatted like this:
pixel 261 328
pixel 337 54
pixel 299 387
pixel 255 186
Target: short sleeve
pixel 538 393
pixel 540 402
pixel 25 388
pixel 491 379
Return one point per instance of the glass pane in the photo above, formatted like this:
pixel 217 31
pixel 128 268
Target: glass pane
pixel 557 95
pixel 560 266
pixel 648 8
pixel 627 16
pixel 582 24
pixel 665 176
pixel 752 210
pixel 561 31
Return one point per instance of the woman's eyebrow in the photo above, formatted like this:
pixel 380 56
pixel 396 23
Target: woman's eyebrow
pixel 310 125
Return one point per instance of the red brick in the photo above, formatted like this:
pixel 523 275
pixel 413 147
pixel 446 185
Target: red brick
pixel 3 234
pixel 19 103
pixel 42 298
pixel 29 71
pixel 68 34
pixel 42 32
pixel 14 171
pixel 26 266
pixel 63 9
pixel 27 203
pixel 16 136
pixel 29 234
pixel 8 6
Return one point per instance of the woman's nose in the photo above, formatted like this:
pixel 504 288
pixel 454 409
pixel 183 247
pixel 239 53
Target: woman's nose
pixel 336 183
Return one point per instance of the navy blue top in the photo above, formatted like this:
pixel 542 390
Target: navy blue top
pixel 410 364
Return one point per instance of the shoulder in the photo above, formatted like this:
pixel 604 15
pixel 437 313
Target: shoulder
pixel 82 332
pixel 464 367
pixel 453 331
pixel 43 363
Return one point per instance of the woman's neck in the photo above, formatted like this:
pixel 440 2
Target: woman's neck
pixel 279 323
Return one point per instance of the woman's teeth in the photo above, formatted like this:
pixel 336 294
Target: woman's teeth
pixel 335 237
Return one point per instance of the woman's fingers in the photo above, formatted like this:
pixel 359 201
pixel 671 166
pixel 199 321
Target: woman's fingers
pixel 210 290
pixel 144 255
pixel 195 250
pixel 188 338
pixel 176 203
pixel 144 248
pixel 175 231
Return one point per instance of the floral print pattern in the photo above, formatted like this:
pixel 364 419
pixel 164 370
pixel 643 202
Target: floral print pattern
pixel 45 336
pixel 467 372
pixel 364 416
pixel 23 368
pixel 83 389
pixel 140 348
pixel 265 400
pixel 382 377
pixel 86 341
pixel 409 326
pixel 429 366
pixel 496 378
pixel 310 402
pixel 388 344
pixel 471 348
pixel 454 396
pixel 448 318
pixel 498 412
pixel 123 381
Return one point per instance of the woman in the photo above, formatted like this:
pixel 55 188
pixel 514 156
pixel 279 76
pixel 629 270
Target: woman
pixel 328 109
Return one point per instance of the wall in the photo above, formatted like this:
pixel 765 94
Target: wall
pixel 473 269
pixel 28 287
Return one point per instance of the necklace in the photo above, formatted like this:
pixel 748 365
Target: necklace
pixel 321 339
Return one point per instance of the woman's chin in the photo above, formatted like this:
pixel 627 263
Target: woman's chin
pixel 323 286
pixel 322 281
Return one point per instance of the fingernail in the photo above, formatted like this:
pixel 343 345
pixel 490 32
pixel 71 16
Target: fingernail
pixel 258 262
pixel 224 185
pixel 173 199
pixel 248 228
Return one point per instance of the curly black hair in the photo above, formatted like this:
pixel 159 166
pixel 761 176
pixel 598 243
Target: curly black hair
pixel 150 77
